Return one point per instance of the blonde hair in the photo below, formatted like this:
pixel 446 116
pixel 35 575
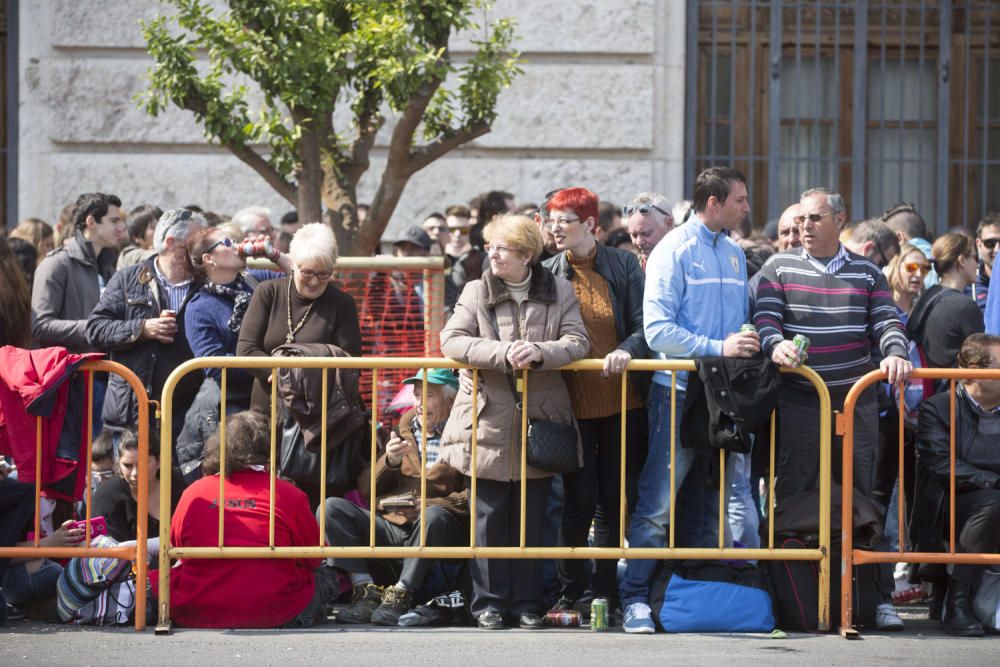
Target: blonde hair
pixel 894 270
pixel 520 231
pixel 34 231
pixel 315 242
pixel 948 248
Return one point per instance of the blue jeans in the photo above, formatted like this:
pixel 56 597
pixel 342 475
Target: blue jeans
pixel 744 519
pixel 648 527
pixel 21 587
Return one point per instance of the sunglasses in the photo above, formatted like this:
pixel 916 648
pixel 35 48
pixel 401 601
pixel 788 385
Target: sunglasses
pixel 642 209
pixel 989 244
pixel 462 230
pixel 917 267
pixel 812 217
pixel 226 241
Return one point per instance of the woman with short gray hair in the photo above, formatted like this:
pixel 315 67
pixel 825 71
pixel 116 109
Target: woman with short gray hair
pixel 302 308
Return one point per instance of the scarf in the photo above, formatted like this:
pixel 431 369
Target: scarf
pixel 238 295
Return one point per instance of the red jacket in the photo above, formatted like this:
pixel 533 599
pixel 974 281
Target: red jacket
pixel 33 383
pixel 242 593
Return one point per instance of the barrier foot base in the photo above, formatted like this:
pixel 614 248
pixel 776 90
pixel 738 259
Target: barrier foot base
pixel 162 629
pixel 846 633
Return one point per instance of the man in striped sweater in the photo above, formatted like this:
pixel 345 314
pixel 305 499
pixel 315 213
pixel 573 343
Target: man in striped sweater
pixel 841 302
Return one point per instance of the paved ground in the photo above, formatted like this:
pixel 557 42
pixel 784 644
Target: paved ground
pixel 45 644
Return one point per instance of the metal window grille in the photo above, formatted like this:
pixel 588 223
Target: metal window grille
pixel 883 100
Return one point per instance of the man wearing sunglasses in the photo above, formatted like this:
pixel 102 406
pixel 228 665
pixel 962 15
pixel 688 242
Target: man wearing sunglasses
pixel 648 219
pixel 466 260
pixel 841 301
pixel 987 237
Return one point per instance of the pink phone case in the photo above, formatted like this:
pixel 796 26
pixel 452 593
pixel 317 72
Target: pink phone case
pixel 98 526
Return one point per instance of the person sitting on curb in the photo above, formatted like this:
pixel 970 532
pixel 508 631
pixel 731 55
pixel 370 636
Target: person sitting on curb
pixel 397 504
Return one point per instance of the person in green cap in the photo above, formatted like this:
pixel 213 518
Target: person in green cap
pixel 397 507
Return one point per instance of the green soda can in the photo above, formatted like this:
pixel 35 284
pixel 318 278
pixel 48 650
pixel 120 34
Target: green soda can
pixel 599 615
pixel 802 344
pixel 748 327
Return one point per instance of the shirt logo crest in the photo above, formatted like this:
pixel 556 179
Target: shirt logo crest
pixel 735 263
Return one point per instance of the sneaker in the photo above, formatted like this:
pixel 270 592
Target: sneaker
pixel 887 619
pixel 490 620
pixel 366 599
pixel 638 619
pixel 395 603
pixel 563 604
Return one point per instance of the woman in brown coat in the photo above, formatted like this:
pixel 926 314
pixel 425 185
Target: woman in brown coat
pixel 517 316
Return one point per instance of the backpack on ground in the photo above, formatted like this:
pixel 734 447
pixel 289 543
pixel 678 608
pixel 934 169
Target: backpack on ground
pixel 711 596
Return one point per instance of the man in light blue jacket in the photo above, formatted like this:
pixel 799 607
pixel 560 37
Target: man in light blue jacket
pixel 694 304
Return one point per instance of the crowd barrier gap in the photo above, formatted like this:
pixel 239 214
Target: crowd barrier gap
pixel 137 553
pixel 851 556
pixel 168 552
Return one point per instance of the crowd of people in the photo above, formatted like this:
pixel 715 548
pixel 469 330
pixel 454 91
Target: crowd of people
pixel 531 287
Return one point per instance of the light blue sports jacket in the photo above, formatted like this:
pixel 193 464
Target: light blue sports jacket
pixel 695 296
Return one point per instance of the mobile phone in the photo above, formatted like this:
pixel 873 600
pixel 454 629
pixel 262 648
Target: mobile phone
pixel 98 526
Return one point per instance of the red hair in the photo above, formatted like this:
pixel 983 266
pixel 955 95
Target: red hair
pixel 581 201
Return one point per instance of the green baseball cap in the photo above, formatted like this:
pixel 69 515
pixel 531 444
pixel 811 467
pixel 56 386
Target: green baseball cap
pixel 434 376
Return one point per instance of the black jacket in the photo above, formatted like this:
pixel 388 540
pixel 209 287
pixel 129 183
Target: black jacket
pixel 134 295
pixel 727 400
pixel 626 282
pixel 977 461
pixel 941 320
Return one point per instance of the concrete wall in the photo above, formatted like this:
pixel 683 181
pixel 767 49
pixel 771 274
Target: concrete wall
pixel 600 104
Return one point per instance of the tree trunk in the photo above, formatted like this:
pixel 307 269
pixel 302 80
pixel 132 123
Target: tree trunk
pixel 309 173
pixel 341 201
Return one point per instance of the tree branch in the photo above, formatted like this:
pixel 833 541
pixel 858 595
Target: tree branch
pixel 424 155
pixel 369 123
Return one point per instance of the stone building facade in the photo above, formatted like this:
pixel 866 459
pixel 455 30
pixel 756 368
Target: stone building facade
pixel 600 104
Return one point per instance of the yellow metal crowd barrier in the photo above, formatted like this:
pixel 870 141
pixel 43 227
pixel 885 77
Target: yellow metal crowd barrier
pixel 169 552
pixel 852 556
pixel 136 553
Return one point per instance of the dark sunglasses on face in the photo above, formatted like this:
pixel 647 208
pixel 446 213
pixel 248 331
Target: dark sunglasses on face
pixel 642 209
pixel 226 241
pixel 914 267
pixel 812 217
pixel 989 244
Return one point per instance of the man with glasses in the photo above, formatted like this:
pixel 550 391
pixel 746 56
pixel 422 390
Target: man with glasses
pixel 874 240
pixel 140 321
pixel 694 304
pixel 647 219
pixel 841 302
pixel 466 260
pixel 987 237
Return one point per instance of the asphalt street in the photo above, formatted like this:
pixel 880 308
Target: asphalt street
pixel 50 644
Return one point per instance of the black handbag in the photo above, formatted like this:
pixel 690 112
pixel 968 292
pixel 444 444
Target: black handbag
pixel 343 463
pixel 551 445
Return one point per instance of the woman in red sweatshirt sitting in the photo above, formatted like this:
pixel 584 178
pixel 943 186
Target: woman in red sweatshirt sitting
pixel 246 593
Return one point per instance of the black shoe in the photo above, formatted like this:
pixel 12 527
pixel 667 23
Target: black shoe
pixel 490 620
pixel 16 613
pixel 935 601
pixel 529 621
pixel 367 598
pixel 395 603
pixel 563 604
pixel 958 617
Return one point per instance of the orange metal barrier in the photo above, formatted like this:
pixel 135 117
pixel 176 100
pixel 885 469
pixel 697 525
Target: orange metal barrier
pixel 168 552
pixel 852 556
pixel 137 553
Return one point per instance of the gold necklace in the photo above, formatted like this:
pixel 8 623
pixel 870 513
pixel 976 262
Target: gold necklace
pixel 290 338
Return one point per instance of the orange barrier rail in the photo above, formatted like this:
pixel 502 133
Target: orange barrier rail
pixel 137 553
pixel 852 556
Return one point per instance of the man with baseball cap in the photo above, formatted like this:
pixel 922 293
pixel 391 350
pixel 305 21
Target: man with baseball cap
pixel 397 506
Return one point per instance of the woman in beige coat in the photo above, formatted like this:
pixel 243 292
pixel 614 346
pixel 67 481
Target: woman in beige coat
pixel 517 316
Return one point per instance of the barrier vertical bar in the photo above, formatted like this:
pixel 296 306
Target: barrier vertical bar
pixel 222 456
pixel 166 463
pixel 722 498
pixel 472 464
pixel 274 456
pixel 901 496
pixel 372 494
pixel 142 513
pixel 951 492
pixel 673 452
pixel 324 393
pixel 89 491
pixel 825 500
pixel 770 486
pixel 421 456
pixel 524 454
pixel 38 480
pixel 622 452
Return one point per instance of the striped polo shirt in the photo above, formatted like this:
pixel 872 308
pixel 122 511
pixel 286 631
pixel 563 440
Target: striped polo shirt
pixel 841 307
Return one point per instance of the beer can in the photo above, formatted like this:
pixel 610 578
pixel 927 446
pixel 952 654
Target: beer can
pixel 802 344
pixel 168 312
pixel 568 618
pixel 599 615
pixel 748 327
